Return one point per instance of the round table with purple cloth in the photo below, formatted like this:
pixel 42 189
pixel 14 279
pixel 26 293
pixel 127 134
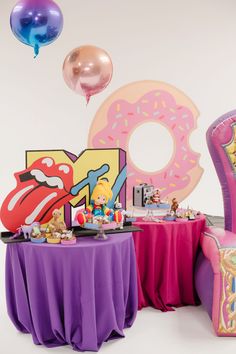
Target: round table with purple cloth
pixel 166 254
pixel 81 295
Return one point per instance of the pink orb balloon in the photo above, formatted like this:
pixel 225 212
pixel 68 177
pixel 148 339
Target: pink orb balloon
pixel 87 70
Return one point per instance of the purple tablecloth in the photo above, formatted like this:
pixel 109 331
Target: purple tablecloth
pixel 80 295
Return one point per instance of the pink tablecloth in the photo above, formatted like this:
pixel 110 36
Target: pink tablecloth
pixel 166 254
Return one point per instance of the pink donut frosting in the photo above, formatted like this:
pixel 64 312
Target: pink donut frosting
pixel 155 106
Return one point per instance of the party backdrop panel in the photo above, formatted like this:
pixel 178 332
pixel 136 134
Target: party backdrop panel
pixel 59 179
pixel 151 101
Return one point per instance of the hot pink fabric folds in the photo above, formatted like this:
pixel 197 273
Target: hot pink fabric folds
pixel 166 254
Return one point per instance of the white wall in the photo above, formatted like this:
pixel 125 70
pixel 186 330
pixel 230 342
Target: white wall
pixel 189 44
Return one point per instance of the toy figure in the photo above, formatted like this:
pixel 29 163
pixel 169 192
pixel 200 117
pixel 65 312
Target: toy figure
pixel 118 208
pixel 190 214
pixel 174 205
pixel 156 198
pixel 56 225
pixel 153 197
pixel 102 193
pixel 26 230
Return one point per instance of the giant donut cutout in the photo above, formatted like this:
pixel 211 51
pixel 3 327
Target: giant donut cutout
pixel 151 101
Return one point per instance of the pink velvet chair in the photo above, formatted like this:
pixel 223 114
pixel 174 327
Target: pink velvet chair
pixel 215 274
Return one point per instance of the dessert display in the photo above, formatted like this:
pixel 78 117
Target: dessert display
pixel 170 216
pixel 190 214
pixel 185 215
pixel 153 202
pixel 67 238
pixel 37 235
pixel 57 225
pixel 56 228
pixel 181 218
pixel 179 215
pixel 54 237
pixel 56 231
pixel 101 224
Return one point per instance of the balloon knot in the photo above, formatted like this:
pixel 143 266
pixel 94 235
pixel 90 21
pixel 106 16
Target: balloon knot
pixel 87 99
pixel 36 51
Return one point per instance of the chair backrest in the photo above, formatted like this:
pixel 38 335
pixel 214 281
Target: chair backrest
pixel 221 140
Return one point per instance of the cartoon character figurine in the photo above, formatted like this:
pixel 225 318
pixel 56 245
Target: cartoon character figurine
pixel 118 208
pixel 102 193
pixel 174 205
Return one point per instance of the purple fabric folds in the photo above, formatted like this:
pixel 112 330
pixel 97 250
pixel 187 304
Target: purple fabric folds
pixel 80 295
pixel 204 282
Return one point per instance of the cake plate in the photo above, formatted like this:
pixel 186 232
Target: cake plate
pixel 101 236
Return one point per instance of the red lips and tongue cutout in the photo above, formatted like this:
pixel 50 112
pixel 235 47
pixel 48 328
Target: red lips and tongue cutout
pixel 41 188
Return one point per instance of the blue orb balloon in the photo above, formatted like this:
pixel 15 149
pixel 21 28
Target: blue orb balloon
pixel 36 22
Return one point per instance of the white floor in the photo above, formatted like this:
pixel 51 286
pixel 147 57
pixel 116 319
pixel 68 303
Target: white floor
pixel 187 330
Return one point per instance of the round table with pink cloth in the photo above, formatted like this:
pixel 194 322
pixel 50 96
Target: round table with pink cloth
pixel 166 254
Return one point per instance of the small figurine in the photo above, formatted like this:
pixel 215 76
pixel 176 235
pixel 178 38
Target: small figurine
pixel 153 198
pixel 156 198
pixel 102 193
pixel 190 214
pixel 26 230
pixel 36 232
pixel 174 205
pixel 118 207
pixel 57 225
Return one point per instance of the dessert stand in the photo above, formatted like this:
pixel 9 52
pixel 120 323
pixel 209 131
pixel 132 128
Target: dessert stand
pixel 101 228
pixel 150 208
